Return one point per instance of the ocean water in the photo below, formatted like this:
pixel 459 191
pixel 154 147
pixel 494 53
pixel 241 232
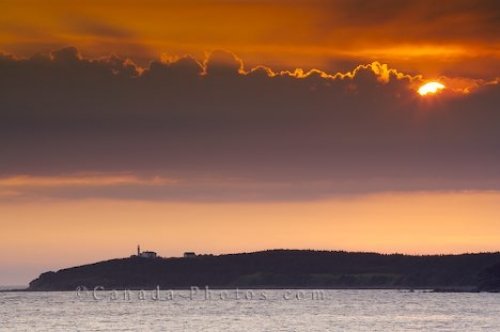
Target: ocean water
pixel 243 310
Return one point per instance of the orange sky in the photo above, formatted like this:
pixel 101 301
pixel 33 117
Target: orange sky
pixel 58 233
pixel 456 38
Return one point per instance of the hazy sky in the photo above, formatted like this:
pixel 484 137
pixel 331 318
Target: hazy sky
pixel 223 126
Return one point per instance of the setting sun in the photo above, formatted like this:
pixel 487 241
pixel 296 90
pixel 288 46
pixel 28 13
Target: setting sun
pixel 430 88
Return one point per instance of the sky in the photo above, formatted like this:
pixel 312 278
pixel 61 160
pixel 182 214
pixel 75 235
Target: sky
pixel 232 126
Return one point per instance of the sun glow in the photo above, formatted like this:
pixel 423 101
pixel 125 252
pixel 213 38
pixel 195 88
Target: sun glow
pixel 430 88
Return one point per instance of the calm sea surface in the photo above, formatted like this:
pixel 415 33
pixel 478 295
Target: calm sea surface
pixel 257 310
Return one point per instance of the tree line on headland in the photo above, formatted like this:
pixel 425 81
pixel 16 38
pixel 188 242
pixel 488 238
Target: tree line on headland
pixel 285 269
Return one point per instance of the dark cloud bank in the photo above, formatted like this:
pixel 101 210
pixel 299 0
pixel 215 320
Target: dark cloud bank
pixel 230 136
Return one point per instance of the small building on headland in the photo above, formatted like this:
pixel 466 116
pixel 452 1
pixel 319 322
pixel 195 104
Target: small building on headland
pixel 189 254
pixel 146 254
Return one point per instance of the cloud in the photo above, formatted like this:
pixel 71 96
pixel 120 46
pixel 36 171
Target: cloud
pixel 230 131
pixel 98 28
pixel 454 37
pixel 28 187
pixel 28 181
